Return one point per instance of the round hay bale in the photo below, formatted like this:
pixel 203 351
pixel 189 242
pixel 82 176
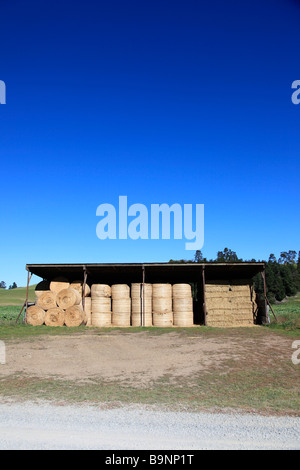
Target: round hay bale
pixel 47 300
pixel 101 305
pixel 58 284
pixel 120 291
pixel 137 290
pixel 101 320
pixel 162 290
pixel 78 285
pixel 100 290
pixel 181 291
pixel 136 320
pixel 35 315
pixel 182 304
pixel 74 316
pixel 55 317
pixel 121 305
pixel 185 319
pixel 42 287
pixel 162 304
pixel 163 319
pixel 141 305
pixel 68 298
pixel 121 319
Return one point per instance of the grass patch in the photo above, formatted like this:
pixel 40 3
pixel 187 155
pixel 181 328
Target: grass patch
pixel 16 296
pixel 287 314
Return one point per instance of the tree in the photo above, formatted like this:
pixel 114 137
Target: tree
pixel 227 256
pixel 2 285
pixel 198 257
pixel 13 286
pixel 287 257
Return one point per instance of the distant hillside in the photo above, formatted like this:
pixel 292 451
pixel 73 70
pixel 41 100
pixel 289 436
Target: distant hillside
pixel 16 296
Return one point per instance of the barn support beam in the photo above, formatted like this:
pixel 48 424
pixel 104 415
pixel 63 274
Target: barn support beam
pixel 29 276
pixel 143 298
pixel 204 301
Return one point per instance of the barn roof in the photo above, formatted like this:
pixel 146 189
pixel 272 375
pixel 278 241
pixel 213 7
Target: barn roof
pixel 154 272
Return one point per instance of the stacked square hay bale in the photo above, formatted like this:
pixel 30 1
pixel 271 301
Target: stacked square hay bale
pixel 121 305
pixel 229 303
pixel 58 303
pixel 162 305
pixel 183 314
pixel 101 305
pixel 141 304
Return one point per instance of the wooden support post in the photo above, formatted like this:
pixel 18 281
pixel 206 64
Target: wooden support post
pixel 29 276
pixel 83 287
pixel 143 298
pixel 204 302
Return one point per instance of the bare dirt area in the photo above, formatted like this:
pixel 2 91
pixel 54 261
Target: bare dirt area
pixel 139 359
pixel 247 368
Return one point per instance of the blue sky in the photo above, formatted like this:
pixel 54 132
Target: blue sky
pixel 163 101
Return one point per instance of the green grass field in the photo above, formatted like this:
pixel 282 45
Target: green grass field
pixel 16 296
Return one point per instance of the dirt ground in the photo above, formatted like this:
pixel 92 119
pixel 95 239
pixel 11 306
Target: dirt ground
pixel 138 359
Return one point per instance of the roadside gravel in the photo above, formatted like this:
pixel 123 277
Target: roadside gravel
pixel 47 426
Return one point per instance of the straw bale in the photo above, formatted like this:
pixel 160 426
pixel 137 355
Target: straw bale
pixel 101 305
pixel 55 317
pixel 184 319
pixel 47 300
pixel 78 285
pixel 180 291
pixel 58 284
pixel 162 304
pixel 68 298
pixel 182 304
pixel 35 315
pixel 100 290
pixel 120 291
pixel 74 316
pixel 162 290
pixel 137 290
pixel 101 319
pixel 162 319
pixel 121 306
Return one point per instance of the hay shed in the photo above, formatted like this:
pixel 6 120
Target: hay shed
pixel 223 293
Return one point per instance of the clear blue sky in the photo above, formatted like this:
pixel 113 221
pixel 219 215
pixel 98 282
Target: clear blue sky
pixel 162 101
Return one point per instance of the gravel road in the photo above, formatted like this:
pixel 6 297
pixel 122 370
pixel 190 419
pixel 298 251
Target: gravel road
pixel 45 426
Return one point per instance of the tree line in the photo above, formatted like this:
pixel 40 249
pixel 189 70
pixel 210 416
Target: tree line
pixel 3 285
pixel 282 274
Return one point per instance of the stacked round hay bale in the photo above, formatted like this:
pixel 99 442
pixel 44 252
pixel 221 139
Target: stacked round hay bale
pixel 141 304
pixel 101 305
pixel 162 305
pixel 69 301
pixel 56 299
pixel 84 294
pixel 183 305
pixel 121 305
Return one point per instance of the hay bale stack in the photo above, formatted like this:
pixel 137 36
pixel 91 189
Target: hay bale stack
pixel 121 305
pixel 58 284
pixel 68 298
pixel 35 315
pixel 100 305
pixel 47 300
pixel 55 317
pixel 78 285
pixel 229 303
pixel 74 316
pixel 182 305
pixel 162 305
pixel 141 304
